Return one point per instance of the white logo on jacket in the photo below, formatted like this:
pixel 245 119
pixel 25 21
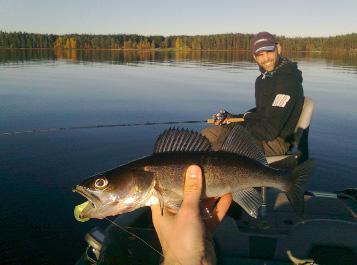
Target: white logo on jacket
pixel 281 100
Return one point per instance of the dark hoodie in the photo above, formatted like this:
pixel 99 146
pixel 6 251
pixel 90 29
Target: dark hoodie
pixel 279 98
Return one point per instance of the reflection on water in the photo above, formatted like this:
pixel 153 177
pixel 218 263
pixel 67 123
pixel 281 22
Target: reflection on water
pixel 51 89
pixel 210 58
pixel 120 56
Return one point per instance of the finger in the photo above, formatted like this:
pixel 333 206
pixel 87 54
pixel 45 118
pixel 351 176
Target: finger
pixel 209 203
pixel 207 206
pixel 156 214
pixel 226 121
pixel 155 209
pixel 192 187
pixel 160 219
pixel 222 206
pixel 219 212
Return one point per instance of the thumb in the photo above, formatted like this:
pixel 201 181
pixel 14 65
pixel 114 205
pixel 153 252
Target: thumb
pixel 193 187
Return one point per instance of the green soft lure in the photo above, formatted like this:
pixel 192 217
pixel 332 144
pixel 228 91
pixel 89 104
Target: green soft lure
pixel 78 210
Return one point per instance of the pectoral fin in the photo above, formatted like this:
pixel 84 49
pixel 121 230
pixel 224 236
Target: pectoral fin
pixel 168 199
pixel 174 205
pixel 249 199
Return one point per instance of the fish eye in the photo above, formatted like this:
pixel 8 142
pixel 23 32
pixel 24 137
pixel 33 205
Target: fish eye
pixel 100 183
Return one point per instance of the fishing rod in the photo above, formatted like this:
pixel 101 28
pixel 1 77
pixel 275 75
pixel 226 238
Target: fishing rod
pixel 97 126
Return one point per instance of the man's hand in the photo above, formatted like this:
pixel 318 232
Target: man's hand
pixel 185 238
pixel 220 117
pixel 224 117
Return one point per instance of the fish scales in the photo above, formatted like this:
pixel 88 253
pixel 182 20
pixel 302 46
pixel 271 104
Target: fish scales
pixel 223 172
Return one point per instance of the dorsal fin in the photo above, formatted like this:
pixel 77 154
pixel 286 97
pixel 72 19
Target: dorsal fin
pixel 176 140
pixel 239 141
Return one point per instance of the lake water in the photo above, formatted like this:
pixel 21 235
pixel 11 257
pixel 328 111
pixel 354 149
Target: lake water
pixel 43 89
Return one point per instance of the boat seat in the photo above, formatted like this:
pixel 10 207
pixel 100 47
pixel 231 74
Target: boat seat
pixel 299 147
pixel 327 234
pixel 298 151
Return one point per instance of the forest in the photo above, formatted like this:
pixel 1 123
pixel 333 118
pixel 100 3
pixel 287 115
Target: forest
pixel 230 41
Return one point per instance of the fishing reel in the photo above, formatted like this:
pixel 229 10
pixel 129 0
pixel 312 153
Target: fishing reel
pixel 220 116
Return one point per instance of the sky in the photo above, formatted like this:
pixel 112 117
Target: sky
pixel 303 18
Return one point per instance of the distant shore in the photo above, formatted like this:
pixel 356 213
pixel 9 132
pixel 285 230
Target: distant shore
pixel 215 42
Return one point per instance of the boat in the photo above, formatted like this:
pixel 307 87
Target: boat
pixel 326 233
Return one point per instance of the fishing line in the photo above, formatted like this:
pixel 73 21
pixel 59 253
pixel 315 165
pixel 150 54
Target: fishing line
pixel 134 235
pixel 97 126
pixel 137 237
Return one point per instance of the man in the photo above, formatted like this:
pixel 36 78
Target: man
pixel 279 99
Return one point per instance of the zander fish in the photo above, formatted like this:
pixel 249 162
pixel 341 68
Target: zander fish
pixel 237 168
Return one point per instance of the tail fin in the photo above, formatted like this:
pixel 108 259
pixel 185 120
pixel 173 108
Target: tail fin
pixel 299 176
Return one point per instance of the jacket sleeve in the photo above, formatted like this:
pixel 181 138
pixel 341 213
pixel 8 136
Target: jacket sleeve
pixel 267 122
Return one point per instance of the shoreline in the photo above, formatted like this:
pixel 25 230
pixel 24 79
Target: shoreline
pixel 170 50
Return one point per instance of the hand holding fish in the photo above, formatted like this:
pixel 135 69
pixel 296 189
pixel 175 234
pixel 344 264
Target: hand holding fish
pixel 184 237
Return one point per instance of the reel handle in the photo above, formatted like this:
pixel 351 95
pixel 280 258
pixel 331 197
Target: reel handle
pixel 230 120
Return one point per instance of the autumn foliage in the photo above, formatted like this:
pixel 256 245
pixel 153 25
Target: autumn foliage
pixel 231 41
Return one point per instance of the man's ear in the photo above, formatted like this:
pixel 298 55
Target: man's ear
pixel 278 46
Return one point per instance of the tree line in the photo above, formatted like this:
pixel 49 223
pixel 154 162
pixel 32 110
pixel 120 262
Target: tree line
pixel 231 41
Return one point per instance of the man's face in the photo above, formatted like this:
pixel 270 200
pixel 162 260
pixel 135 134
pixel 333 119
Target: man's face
pixel 267 59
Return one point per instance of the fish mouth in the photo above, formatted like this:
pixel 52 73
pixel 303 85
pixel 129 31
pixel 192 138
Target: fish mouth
pixel 95 207
pixel 94 201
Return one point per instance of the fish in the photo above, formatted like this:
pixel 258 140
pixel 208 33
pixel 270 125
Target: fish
pixel 239 167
